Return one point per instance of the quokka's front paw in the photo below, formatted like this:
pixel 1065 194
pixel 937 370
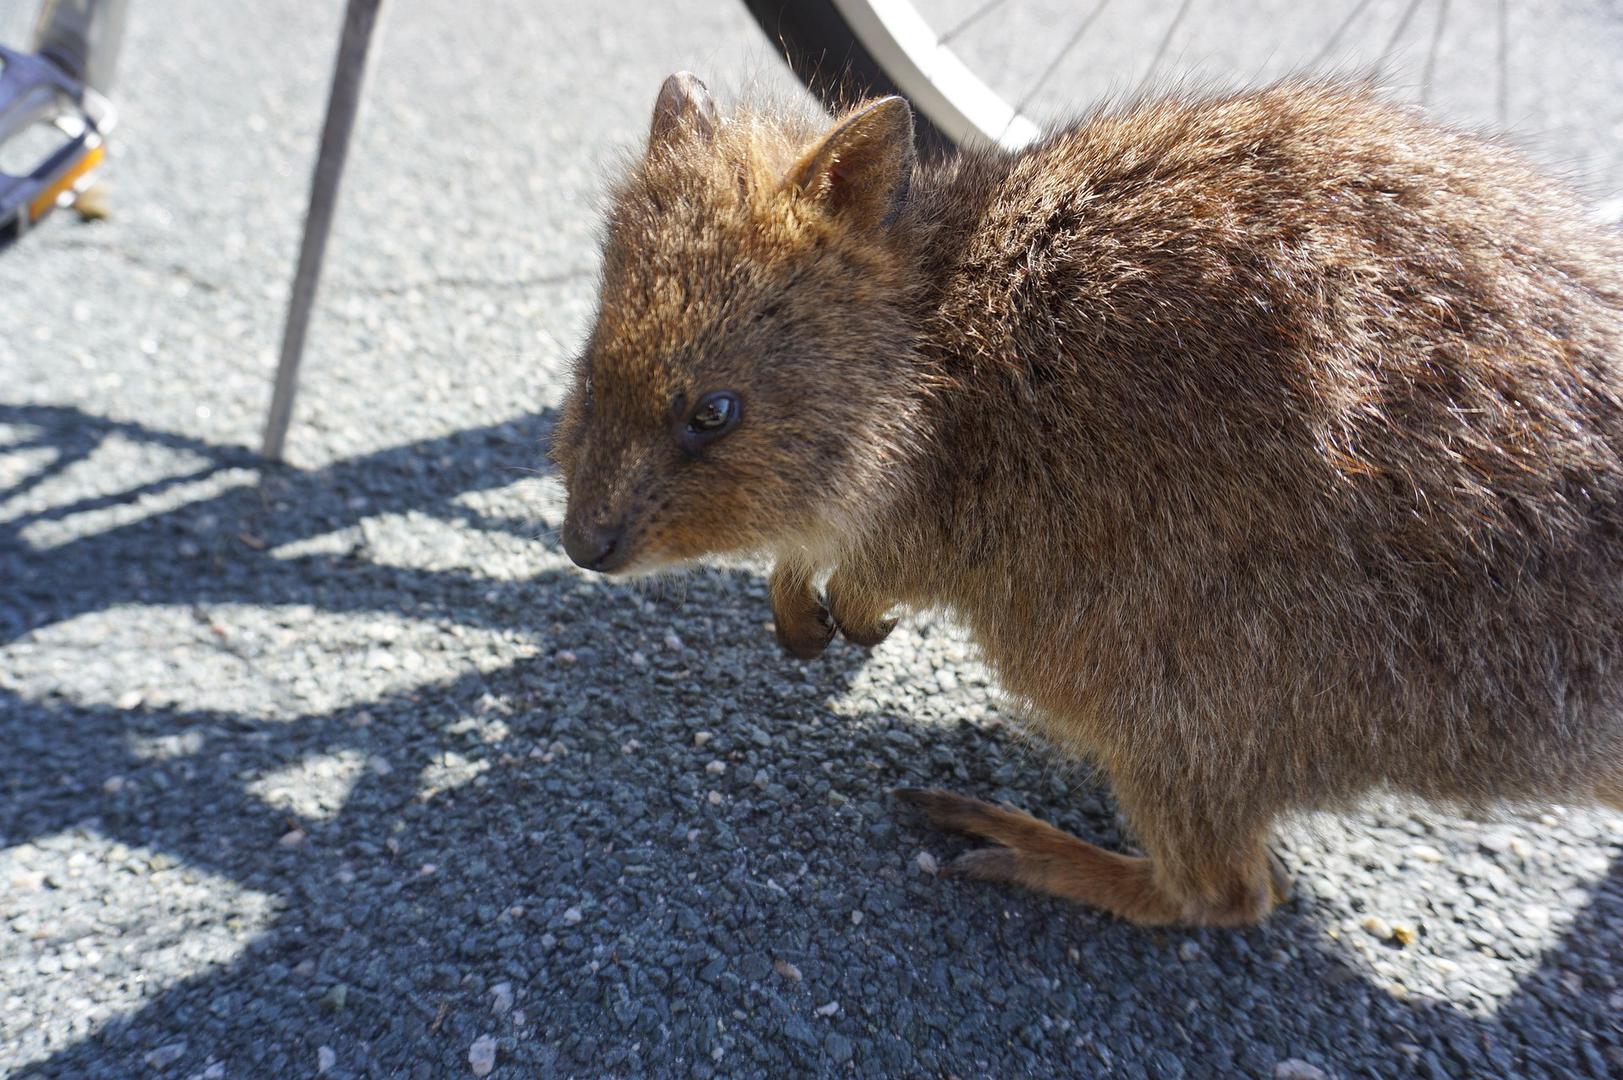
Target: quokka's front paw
pixel 805 634
pixel 860 617
pixel 801 622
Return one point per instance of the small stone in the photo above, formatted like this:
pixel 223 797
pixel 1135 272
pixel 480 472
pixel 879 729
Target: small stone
pixel 501 999
pixel 701 737
pixel 113 785
pixel 1425 853
pixel 482 1055
pixel 927 863
pixel 838 1047
pixel 428 869
pixel 716 768
pixel 673 643
pixel 28 880
pixel 787 970
pixel 166 1055
pixel 336 998
pixel 1404 934
pixel 129 699
pixel 856 918
pixel 292 838
pixel 1297 1069
pixel 380 764
pixel 1189 951
pixel 567 658
pixel 828 1009
pixel 572 916
pixel 1376 927
pixel 325 1059
pixel 714 798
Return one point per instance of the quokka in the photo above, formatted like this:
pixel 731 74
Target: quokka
pixel 1269 445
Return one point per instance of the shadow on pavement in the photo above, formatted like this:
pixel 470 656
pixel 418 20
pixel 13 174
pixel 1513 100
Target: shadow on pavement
pixel 539 851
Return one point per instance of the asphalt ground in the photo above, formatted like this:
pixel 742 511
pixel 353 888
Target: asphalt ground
pixel 341 768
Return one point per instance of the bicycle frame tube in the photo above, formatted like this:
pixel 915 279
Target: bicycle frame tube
pixel 82 37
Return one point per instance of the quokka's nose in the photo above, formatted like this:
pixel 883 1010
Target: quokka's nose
pixel 594 547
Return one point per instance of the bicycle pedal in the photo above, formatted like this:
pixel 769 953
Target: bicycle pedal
pixel 52 140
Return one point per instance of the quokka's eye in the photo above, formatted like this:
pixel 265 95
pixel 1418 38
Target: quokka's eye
pixel 715 415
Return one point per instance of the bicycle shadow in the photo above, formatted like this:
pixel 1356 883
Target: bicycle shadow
pixel 518 831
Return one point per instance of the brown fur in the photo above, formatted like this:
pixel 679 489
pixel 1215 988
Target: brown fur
pixel 1269 446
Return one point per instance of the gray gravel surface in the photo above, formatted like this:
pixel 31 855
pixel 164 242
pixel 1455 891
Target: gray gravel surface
pixel 340 768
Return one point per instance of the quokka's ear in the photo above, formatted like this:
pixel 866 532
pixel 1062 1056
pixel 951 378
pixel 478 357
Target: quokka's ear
pixel 684 105
pixel 861 169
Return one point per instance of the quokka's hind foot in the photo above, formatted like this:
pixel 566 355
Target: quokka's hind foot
pixel 1040 857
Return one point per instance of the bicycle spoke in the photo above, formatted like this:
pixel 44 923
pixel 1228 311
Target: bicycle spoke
pixel 1431 54
pixel 973 17
pixel 1392 43
pixel 1053 65
pixel 1166 42
pixel 1335 38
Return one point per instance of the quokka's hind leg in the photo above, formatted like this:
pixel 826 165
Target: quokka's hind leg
pixel 1176 888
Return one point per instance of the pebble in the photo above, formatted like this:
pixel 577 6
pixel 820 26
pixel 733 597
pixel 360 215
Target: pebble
pixel 292 838
pixel 325 1059
pixel 572 916
pixel 701 737
pixel 787 970
pixel 1377 927
pixel 927 863
pixel 714 798
pixel 828 1009
pixel 716 768
pixel 482 1055
pixel 501 998
pixel 166 1055
pixel 1297 1069
pixel 1189 951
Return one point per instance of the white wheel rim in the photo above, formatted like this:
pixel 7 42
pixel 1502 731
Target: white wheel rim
pixel 932 77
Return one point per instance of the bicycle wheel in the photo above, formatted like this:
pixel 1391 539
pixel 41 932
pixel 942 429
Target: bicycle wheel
pixel 843 51
pixel 1001 72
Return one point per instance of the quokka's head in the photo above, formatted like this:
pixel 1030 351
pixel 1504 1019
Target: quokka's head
pixel 750 380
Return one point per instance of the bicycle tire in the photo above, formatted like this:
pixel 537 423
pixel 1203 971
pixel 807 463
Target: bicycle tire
pixel 826 55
